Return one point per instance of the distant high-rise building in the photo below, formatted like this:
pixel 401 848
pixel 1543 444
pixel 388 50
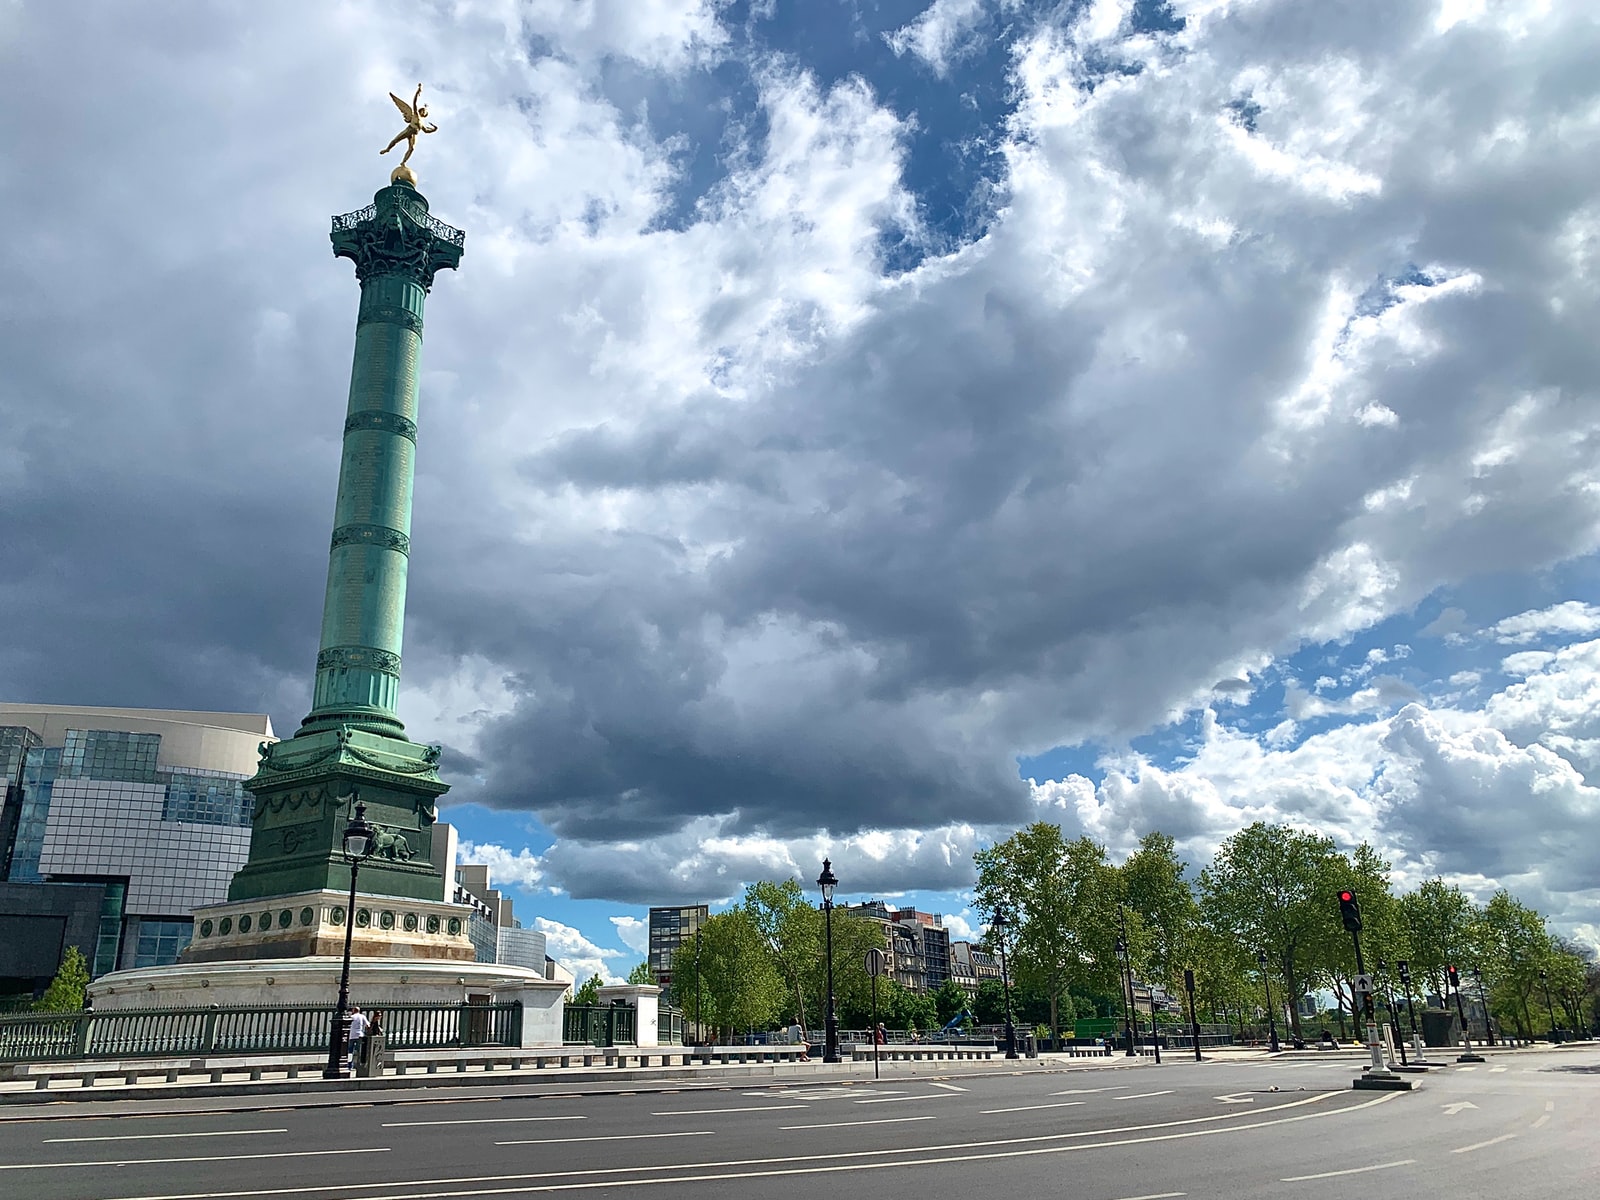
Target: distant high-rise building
pixel 669 927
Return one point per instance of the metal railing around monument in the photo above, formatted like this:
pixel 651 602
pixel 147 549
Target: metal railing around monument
pixel 162 1032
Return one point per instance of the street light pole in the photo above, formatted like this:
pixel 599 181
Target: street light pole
pixel 1272 1017
pixel 1411 1007
pixel 699 1017
pixel 830 1046
pixel 1394 1021
pixel 358 841
pixel 999 926
pixel 1194 1020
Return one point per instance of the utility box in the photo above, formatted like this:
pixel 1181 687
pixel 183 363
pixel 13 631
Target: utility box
pixel 1440 1028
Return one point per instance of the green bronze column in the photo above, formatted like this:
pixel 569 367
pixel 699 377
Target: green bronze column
pixel 352 744
pixel 396 246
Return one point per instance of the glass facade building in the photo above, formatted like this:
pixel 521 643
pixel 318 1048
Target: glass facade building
pixel 668 929
pixel 148 805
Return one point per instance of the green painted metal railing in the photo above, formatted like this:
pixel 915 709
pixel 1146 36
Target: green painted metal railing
pixel 597 1025
pixel 159 1032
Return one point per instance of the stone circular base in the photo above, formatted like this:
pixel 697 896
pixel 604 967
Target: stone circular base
pixel 374 982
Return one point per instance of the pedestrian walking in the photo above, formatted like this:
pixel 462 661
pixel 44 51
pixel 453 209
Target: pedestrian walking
pixel 797 1035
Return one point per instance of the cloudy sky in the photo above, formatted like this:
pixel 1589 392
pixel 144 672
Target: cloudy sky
pixel 858 427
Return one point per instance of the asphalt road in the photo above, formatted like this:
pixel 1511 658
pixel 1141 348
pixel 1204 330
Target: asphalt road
pixel 1520 1125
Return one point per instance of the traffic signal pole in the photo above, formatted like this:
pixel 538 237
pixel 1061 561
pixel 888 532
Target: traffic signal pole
pixel 1350 914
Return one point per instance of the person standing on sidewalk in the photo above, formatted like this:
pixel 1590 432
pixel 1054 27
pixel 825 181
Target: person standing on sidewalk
pixel 358 1030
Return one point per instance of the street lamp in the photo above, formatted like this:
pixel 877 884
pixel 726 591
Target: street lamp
pixel 1411 1007
pixel 1544 982
pixel 830 1047
pixel 1272 1019
pixel 1394 1019
pixel 999 926
pixel 1130 1015
pixel 358 843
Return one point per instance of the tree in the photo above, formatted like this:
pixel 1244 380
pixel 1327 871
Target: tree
pixel 1275 889
pixel 1435 920
pixel 738 987
pixel 1062 898
pixel 589 993
pixel 949 999
pixel 1510 945
pixel 1155 890
pixel 642 974
pixel 792 930
pixel 66 991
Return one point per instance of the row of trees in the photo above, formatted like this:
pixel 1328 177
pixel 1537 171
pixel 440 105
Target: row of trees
pixel 1269 889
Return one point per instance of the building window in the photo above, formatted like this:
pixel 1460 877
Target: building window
pixel 160 941
pixel 207 798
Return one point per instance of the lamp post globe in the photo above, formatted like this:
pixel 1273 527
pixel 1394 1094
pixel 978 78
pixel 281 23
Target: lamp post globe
pixel 359 838
pixel 827 883
pixel 1272 1019
pixel 999 924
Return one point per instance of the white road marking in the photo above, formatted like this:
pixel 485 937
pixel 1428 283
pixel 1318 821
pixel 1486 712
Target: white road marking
pixel 1496 1070
pixel 1157 1196
pixel 949 1087
pixel 1403 1162
pixel 145 1162
pixel 1236 1098
pixel 1088 1091
pixel 1144 1095
pixel 838 1157
pixel 141 1137
pixel 1466 1068
pixel 712 1112
pixel 1504 1137
pixel 853 1124
pixel 989 1112
pixel 606 1137
pixel 831 1165
pixel 897 1099
pixel 1453 1109
pixel 1543 1117
pixel 479 1121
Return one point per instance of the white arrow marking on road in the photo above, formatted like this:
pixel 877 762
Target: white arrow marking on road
pixel 1453 1109
pixel 1235 1098
pixel 949 1087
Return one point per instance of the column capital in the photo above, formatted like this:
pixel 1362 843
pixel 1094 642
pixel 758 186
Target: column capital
pixel 397 235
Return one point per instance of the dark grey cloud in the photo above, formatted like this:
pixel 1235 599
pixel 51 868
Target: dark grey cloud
pixel 739 529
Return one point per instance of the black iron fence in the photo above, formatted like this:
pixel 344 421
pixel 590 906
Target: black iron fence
pixel 161 1032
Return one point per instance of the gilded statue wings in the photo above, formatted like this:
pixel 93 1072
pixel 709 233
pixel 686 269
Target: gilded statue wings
pixel 406 111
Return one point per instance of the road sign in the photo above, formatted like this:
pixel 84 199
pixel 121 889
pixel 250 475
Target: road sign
pixel 1363 985
pixel 877 962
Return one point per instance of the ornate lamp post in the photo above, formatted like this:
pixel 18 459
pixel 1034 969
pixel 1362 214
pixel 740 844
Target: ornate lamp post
pixel 1544 982
pixel 999 925
pixel 827 882
pixel 1272 1017
pixel 1411 1007
pixel 358 842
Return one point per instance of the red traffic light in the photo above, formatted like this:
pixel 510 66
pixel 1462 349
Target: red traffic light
pixel 1347 896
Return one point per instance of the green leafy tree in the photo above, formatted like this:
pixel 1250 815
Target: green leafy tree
pixel 642 975
pixel 1436 919
pixel 1062 898
pixel 589 993
pixel 1156 892
pixel 989 1003
pixel 66 991
pixel 949 999
pixel 1275 888
pixel 792 929
pixel 1509 943
pixel 853 936
pixel 738 987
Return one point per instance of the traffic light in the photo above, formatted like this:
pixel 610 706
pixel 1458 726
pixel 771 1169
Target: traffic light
pixel 1349 911
pixel 1454 977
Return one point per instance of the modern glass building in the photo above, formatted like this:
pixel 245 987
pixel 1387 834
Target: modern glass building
pixel 139 815
pixel 669 928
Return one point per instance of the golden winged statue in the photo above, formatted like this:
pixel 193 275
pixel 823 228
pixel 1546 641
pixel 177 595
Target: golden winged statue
pixel 415 114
